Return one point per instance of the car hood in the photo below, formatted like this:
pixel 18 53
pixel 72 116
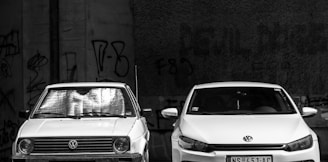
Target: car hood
pixel 77 127
pixel 230 129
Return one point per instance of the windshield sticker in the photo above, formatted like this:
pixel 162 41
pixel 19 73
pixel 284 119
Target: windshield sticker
pixel 277 90
pixel 194 108
pixel 128 113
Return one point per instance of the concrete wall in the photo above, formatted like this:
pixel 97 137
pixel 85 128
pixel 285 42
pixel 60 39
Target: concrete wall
pixel 11 58
pixel 95 41
pixel 182 43
pixel 175 44
pixel 36 50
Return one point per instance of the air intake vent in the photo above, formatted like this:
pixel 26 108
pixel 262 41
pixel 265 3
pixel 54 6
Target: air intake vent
pixel 73 145
pixel 218 147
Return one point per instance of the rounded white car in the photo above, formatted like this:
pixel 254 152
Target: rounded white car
pixel 92 122
pixel 242 122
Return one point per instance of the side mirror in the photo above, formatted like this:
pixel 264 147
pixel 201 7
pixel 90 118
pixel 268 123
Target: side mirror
pixel 147 112
pixel 170 113
pixel 24 114
pixel 309 111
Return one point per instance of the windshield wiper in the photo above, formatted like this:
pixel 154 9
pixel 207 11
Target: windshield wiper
pixel 58 115
pixel 112 115
pixel 74 116
pixel 237 112
pixel 201 113
pixel 234 113
pixel 286 112
pixel 94 114
pixel 240 112
pixel 47 113
pixel 221 113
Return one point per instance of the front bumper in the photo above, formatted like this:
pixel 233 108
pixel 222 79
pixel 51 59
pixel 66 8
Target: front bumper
pixel 181 155
pixel 131 157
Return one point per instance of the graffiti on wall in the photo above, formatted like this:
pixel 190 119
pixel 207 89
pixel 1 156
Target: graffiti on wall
pixel 9 47
pixel 302 38
pixel 206 41
pixel 8 130
pixel 168 67
pixel 115 59
pixel 275 47
pixel 8 127
pixel 36 82
pixel 270 38
pixel 6 101
pixel 173 66
pixel 293 44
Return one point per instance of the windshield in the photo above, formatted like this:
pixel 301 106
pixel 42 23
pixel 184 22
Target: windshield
pixel 85 102
pixel 239 100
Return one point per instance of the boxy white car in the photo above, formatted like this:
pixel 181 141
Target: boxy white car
pixel 92 122
pixel 242 122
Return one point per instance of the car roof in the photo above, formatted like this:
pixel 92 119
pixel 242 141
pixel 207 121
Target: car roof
pixel 88 84
pixel 236 84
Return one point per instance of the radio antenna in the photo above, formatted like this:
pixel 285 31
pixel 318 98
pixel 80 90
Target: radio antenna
pixel 136 79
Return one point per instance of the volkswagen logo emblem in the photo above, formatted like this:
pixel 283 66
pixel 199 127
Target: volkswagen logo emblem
pixel 72 144
pixel 248 138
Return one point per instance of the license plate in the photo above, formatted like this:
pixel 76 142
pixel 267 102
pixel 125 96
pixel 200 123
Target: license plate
pixel 250 159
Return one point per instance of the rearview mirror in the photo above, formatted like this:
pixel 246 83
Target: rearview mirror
pixel 170 113
pixel 309 111
pixel 146 112
pixel 24 114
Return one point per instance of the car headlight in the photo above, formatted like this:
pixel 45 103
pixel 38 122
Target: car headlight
pixel 191 144
pixel 300 144
pixel 121 145
pixel 25 146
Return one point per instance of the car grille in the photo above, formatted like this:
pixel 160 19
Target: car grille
pixel 220 147
pixel 84 144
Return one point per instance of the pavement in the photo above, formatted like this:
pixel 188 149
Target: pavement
pixel 170 161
